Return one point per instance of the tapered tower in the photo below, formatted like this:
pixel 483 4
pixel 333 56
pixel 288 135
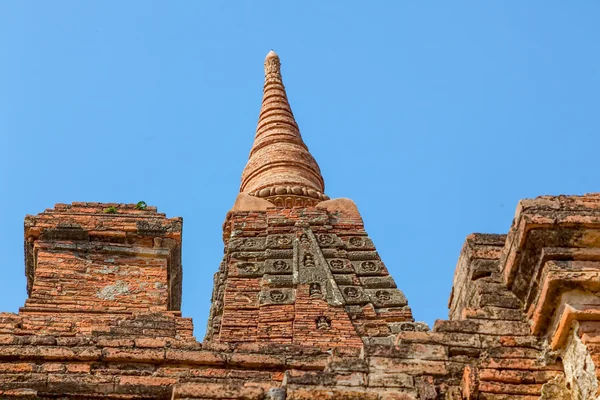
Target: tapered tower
pixel 299 268
pixel 280 167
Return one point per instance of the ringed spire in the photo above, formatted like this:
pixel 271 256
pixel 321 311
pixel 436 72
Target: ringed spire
pixel 280 167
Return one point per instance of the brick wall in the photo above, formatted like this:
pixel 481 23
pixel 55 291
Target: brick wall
pixel 508 336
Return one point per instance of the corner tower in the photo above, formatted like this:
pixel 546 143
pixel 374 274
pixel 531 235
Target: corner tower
pixel 299 268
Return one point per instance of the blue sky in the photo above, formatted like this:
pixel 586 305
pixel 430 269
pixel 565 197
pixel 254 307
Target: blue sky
pixel 434 117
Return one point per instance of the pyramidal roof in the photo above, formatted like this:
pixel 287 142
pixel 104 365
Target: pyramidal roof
pixel 280 168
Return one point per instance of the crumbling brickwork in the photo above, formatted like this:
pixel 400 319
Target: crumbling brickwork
pixel 490 347
pixel 303 307
pixel 303 275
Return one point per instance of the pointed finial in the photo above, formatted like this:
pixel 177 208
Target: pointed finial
pixel 280 168
pixel 271 54
pixel 272 66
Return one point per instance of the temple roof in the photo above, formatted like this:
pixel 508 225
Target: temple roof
pixel 280 168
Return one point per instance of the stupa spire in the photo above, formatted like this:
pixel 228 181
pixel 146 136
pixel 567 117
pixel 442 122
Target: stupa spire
pixel 280 167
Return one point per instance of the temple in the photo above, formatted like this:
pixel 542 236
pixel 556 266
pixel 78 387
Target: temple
pixel 303 306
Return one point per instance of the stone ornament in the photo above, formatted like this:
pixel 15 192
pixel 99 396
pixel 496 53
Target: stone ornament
pixel 412 327
pixel 354 295
pixel 386 297
pixel 249 269
pixel 238 244
pixel 278 266
pixel 323 323
pixel 277 296
pixel 356 242
pixel 280 241
pixel 304 239
pixel 315 290
pixel 294 192
pixel 340 266
pixel 329 240
pixel 359 243
pixel 383 296
pixel 325 239
pixel 336 265
pixel 149 228
pixel 308 261
pixel 369 268
pixel 351 292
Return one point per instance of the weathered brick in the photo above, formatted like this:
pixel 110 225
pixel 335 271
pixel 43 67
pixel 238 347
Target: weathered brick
pixel 303 307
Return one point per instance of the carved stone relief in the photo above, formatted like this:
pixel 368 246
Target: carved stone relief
pixel 359 243
pixel 277 296
pixel 278 266
pixel 315 290
pixel 250 269
pixel 325 239
pixel 386 297
pixel 282 241
pixel 338 266
pixel 329 240
pixel 369 267
pixel 354 295
pixel 309 261
pixel 323 323
pixel 304 239
pixel 238 244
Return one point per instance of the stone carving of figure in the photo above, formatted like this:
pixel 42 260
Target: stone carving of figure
pixel 309 261
pixel 315 290
pixel 283 240
pixel 351 292
pixel 277 296
pixel 304 239
pixel 356 241
pixel 280 265
pixel 336 264
pixel 383 296
pixel 323 323
pixel 325 239
pixel 369 266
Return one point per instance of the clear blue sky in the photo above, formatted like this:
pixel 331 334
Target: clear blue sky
pixel 434 117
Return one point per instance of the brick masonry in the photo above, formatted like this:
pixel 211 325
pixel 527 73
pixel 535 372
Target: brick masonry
pixel 503 340
pixel 303 307
pixel 303 275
